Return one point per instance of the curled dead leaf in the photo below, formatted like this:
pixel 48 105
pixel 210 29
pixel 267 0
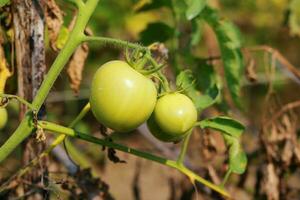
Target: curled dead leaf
pixel 76 66
pixel 54 21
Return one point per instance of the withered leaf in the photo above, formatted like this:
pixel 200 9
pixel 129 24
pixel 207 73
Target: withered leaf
pixel 4 70
pixel 54 21
pixel 76 66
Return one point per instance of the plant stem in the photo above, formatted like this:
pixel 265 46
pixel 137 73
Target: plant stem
pixel 21 100
pixel 70 132
pixel 58 140
pixel 184 147
pixel 226 177
pixel 114 42
pixel 26 127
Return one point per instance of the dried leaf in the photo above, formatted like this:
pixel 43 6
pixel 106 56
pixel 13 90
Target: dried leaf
pixel 271 183
pixel 4 70
pixel 76 66
pixel 54 21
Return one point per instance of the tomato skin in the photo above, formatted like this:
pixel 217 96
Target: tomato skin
pixel 3 118
pixel 174 115
pixel 121 98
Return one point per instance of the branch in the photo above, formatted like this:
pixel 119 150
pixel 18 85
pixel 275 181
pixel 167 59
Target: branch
pixel 114 42
pixel 58 140
pixel 284 62
pixel 72 133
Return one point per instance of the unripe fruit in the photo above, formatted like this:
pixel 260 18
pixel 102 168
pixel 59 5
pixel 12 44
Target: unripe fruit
pixel 121 98
pixel 3 117
pixel 174 115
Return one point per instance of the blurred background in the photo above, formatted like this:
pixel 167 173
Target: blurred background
pixel 270 32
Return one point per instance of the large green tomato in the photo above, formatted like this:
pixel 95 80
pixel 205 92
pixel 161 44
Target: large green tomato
pixel 121 98
pixel 174 115
pixel 3 117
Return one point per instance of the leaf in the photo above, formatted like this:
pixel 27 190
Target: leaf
pixel 229 40
pixel 196 32
pixel 155 4
pixel 76 66
pixel 194 8
pixel 294 17
pixel 224 124
pixel 237 158
pixel 54 21
pixel 186 81
pixel 229 34
pixel 156 32
pixel 3 2
pixel 62 37
pixel 233 66
pixel 5 73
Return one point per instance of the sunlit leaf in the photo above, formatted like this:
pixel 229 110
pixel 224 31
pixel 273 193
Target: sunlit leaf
pixel 194 8
pixel 3 2
pixel 224 124
pixel 294 17
pixel 62 37
pixel 237 156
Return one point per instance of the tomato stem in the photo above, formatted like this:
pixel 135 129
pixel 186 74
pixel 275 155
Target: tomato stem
pixel 20 99
pixel 184 147
pixel 52 127
pixel 114 42
pixel 58 140
pixel 26 127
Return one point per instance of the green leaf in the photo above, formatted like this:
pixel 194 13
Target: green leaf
pixel 62 37
pixel 194 8
pixel 237 158
pixel 155 4
pixel 233 67
pixel 229 34
pixel 3 2
pixel 294 17
pixel 187 82
pixel 224 124
pixel 229 39
pixel 156 32
pixel 196 32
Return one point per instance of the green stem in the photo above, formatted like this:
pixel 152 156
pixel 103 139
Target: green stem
pixel 114 42
pixel 76 36
pixel 184 147
pixel 82 113
pixel 21 100
pixel 58 140
pixel 226 177
pixel 71 132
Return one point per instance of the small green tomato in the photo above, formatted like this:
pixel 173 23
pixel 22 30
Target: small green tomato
pixel 174 115
pixel 121 98
pixel 3 117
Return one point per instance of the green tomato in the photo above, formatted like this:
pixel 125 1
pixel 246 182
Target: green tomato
pixel 174 115
pixel 121 98
pixel 3 117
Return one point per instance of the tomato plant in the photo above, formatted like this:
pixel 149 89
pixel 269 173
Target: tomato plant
pixel 174 115
pixel 3 117
pixel 121 98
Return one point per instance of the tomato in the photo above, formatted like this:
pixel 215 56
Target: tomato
pixel 174 115
pixel 3 117
pixel 121 98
